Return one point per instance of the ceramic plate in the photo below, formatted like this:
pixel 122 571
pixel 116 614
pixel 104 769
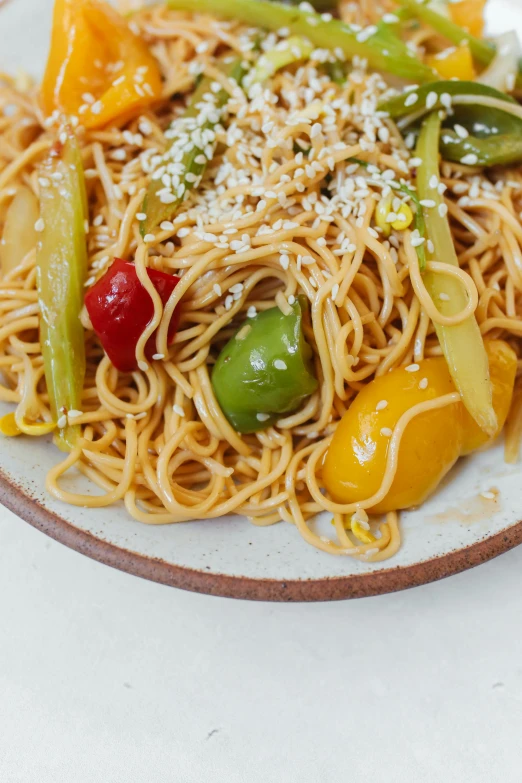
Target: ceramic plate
pixel 455 530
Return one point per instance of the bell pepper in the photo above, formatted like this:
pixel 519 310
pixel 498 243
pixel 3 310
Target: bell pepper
pixel 454 63
pixel 120 310
pixel 469 14
pixel 98 69
pixel 61 271
pixel 265 370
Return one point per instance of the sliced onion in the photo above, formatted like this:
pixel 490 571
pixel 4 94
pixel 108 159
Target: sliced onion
pixel 503 69
pixel 19 235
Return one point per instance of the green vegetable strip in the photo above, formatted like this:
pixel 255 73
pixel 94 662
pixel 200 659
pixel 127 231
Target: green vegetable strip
pixel 61 266
pixel 195 160
pixel 403 106
pixel 482 51
pixel 319 5
pixel 384 52
pixel 297 49
pixel 462 344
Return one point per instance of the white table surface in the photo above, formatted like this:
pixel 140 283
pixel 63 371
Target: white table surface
pixel 105 678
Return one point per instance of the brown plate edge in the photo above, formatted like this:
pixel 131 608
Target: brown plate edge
pixel 305 590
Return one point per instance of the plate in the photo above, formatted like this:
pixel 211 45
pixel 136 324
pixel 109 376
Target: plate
pixel 455 530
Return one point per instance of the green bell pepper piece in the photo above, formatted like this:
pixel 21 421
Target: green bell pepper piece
pixel 265 371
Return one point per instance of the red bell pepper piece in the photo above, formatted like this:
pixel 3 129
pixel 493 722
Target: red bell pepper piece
pixel 120 310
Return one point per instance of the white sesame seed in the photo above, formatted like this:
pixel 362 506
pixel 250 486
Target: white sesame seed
pixel 149 238
pixel 143 366
pixel 74 414
pixel 431 100
pixel 412 368
pixel 141 216
pixel 443 210
pixel 434 182
pixel 423 384
pixel 386 432
pixel 39 225
pixel 62 422
pixel 158 357
pixel 217 289
pixel 411 99
pixel 382 405
pixel 279 364
pixel 461 131
pixel 469 160
pixel 263 416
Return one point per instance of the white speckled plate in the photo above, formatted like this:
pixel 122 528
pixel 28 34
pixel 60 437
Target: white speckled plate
pixel 455 530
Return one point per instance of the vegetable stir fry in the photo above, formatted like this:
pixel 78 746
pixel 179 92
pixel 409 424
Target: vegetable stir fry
pixel 264 257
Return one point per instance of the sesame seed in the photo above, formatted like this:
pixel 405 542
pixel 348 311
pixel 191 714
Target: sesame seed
pixel 62 422
pixel 423 384
pixel 166 225
pixel 412 368
pixel 434 182
pixel 143 366
pixel 382 405
pixel 431 100
pixel 251 312
pixel 386 432
pixel 469 160
pixel 158 357
pixel 279 364
pixel 149 238
pixel 74 414
pixel 443 210
pixel 39 225
pixel 461 131
pixel 411 99
pixel 263 416
pixel 444 297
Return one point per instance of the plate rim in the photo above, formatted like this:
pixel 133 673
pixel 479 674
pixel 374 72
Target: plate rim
pixel 27 508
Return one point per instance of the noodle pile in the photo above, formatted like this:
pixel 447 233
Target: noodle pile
pixel 259 230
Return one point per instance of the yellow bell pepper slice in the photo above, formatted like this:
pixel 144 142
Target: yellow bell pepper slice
pixel 454 63
pixel 470 15
pixel 98 69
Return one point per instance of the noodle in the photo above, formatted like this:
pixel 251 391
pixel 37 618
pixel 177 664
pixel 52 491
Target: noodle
pixel 156 438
